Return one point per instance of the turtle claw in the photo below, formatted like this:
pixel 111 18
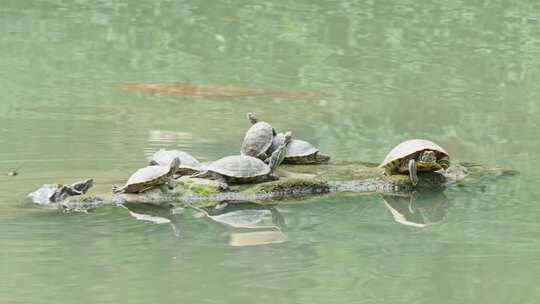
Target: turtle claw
pixel 117 189
pixel 414 180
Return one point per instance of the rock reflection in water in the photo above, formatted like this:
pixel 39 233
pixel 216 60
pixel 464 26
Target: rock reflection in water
pixel 169 136
pixel 419 208
pixel 159 139
pixel 267 220
pixel 257 238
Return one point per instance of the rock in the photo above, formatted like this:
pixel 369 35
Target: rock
pixel 299 181
pixel 199 185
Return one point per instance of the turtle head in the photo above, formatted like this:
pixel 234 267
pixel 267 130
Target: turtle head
pixel 427 157
pixel 77 188
pixel 279 155
pixel 321 157
pixel 174 165
pixel 288 138
pixel 83 185
pixel 252 118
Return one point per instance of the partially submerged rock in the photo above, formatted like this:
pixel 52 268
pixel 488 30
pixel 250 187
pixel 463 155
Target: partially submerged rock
pixel 297 181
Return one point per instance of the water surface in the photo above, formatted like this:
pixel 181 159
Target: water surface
pixel 463 74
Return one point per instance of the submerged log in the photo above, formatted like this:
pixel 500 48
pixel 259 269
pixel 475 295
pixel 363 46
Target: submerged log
pixel 296 181
pixel 195 90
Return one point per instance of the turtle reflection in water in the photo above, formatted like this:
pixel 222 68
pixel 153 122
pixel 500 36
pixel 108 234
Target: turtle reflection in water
pixel 159 215
pixel 418 209
pixel 245 215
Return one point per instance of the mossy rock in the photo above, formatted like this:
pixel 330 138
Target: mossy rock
pixel 290 186
pixel 199 185
pixel 297 181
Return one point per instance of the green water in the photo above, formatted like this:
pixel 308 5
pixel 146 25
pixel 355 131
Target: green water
pixel 462 73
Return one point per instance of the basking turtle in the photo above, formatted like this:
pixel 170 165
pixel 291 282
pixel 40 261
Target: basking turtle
pixel 299 151
pixel 149 177
pixel 52 193
pixel 243 169
pixel 258 138
pixel 188 164
pixel 415 155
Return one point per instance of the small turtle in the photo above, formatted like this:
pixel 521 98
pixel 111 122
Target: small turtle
pixel 258 138
pixel 149 177
pixel 300 151
pixel 415 155
pixel 188 164
pixel 242 169
pixel 53 193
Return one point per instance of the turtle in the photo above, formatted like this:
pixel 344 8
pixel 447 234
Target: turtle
pixel 299 151
pixel 243 169
pixel 149 177
pixel 188 164
pixel 415 155
pixel 258 138
pixel 53 193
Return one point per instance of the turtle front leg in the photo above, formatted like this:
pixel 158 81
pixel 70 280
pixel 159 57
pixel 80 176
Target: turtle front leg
pixel 412 172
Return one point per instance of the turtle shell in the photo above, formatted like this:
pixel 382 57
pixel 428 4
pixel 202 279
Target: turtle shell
pixel 147 177
pixel 300 148
pixel 258 139
pixel 408 148
pixel 188 163
pixel 296 149
pixel 240 167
